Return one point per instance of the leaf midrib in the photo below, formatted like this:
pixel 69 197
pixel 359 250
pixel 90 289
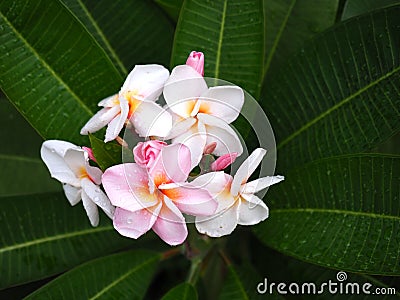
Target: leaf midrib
pixel 335 211
pixel 121 278
pixel 335 107
pixel 20 158
pixel 45 64
pixel 54 238
pixel 220 38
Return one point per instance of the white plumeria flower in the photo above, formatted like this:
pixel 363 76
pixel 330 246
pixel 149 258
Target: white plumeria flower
pixel 237 203
pixel 203 113
pixel 135 102
pixel 69 164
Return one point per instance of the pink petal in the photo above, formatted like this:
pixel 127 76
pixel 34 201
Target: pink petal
pixel 172 165
pixel 224 102
pixel 190 199
pixel 100 119
pixel 208 149
pixel 260 184
pixel 147 80
pixel 52 153
pixel 150 119
pixel 127 187
pixel 246 169
pixel 182 89
pixel 170 225
pixel 223 161
pixel 135 224
pixel 196 61
pixel 89 151
pixel 91 209
pixel 220 132
pixel 95 194
pixel 252 210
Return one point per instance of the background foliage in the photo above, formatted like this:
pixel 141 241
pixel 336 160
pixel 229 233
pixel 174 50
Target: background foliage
pixel 327 74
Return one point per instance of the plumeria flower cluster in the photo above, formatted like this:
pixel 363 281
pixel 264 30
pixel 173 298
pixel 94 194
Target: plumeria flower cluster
pixel 159 189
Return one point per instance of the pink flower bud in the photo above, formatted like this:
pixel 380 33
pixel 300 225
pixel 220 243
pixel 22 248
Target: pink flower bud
pixel 146 153
pixel 208 149
pixel 196 61
pixel 89 151
pixel 223 161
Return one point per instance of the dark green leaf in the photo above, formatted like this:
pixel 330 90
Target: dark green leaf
pixel 51 68
pixel 181 292
pixel 341 212
pixel 120 276
pixel 131 32
pixel 289 23
pixel 108 154
pixel 43 235
pixel 171 7
pixel 229 33
pixel 340 94
pixel 354 8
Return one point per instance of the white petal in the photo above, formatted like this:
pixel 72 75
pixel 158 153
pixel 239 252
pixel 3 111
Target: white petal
pixel 100 119
pixel 260 184
pixel 246 169
pixel 147 80
pixel 52 153
pixel 109 101
pixel 91 209
pixel 96 195
pixel 224 102
pixel 214 182
pixel 220 132
pixel 220 224
pixel 94 173
pixel 182 89
pixel 180 127
pixel 151 119
pixel 72 193
pixel 76 160
pixel 195 140
pixel 252 210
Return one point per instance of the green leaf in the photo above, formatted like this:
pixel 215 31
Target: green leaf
pixel 51 68
pixel 181 292
pixel 131 32
pixel 354 8
pixel 171 7
pixel 289 23
pixel 120 276
pixel 43 235
pixel 340 94
pixel 229 33
pixel 342 212
pixel 109 154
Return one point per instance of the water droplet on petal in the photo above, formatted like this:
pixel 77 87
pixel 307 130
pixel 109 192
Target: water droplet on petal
pixel 129 221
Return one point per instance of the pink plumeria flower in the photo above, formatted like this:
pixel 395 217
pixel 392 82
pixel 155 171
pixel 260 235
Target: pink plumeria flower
pixel 155 198
pixel 196 61
pixel 135 102
pixel 146 153
pixel 204 113
pixel 237 203
pixel 69 164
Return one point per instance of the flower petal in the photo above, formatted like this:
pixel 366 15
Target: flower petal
pixel 190 199
pixel 95 194
pixel 252 210
pixel 224 102
pixel 214 182
pixel 195 139
pixel 182 89
pixel 246 169
pixel 135 224
pixel 147 80
pixel 170 225
pixel 91 209
pixel 220 132
pixel 180 127
pixel 100 119
pixel 223 161
pixel 260 184
pixel 150 119
pixel 127 187
pixel 109 101
pixel 115 126
pixel 72 193
pixel 76 160
pixel 52 153
pixel 196 61
pixel 221 224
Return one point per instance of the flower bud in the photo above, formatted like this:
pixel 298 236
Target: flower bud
pixel 146 153
pixel 196 61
